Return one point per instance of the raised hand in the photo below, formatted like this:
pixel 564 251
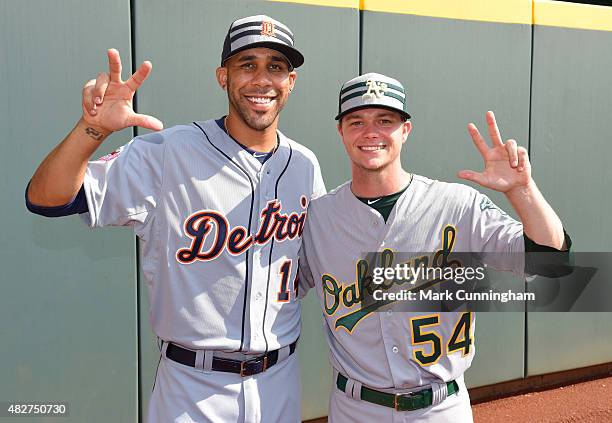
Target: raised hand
pixel 107 100
pixel 506 166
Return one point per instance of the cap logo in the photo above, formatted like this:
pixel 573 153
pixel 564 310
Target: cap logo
pixel 376 89
pixel 267 28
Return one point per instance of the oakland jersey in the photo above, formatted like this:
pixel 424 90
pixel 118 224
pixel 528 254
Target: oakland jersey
pixel 388 349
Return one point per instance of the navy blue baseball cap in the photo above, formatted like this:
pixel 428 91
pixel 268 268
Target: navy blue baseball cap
pixel 260 31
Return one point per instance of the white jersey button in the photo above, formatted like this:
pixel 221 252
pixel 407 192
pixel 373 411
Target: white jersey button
pixel 395 350
pixel 389 312
pixel 258 296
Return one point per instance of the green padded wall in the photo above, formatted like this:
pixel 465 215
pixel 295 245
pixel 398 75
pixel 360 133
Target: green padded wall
pixel 184 44
pixel 453 72
pixel 68 293
pixel 571 127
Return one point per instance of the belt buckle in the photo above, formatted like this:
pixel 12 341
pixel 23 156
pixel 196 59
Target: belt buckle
pixel 397 397
pixel 244 363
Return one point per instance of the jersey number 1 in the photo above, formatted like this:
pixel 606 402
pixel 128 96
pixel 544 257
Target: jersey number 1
pixel 285 273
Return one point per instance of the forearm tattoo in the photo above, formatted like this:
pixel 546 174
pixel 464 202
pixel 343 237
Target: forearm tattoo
pixel 94 133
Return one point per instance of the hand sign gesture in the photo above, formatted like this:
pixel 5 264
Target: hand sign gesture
pixel 506 165
pixel 107 100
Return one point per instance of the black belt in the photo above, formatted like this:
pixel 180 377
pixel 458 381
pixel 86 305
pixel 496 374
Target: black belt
pixel 400 402
pixel 243 368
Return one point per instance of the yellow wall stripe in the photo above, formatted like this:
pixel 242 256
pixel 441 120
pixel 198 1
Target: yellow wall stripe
pixel 353 4
pixel 572 15
pixel 537 12
pixel 506 11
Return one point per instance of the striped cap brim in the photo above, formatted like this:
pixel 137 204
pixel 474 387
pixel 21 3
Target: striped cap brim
pixel 372 90
pixel 261 31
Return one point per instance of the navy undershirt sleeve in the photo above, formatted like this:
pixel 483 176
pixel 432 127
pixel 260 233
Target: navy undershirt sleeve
pixel 78 205
pixel 547 261
pixel 533 247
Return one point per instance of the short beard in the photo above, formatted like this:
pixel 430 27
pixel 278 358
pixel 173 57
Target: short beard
pixel 259 122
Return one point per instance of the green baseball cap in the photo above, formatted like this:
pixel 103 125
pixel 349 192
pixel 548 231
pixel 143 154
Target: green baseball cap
pixel 372 90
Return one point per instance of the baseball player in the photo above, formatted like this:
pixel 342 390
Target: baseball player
pixel 407 366
pixel 219 207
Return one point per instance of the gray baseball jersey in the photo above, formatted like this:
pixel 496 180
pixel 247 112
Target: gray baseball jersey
pixel 220 232
pixel 396 350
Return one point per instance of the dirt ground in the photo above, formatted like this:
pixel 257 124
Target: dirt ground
pixel 587 402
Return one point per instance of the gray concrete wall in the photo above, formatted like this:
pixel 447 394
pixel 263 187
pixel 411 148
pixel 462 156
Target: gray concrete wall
pixel 571 137
pixel 68 303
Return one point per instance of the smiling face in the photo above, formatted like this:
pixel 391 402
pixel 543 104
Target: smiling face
pixel 258 83
pixel 373 138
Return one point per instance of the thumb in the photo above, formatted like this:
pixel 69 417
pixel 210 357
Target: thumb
pixel 145 121
pixel 470 175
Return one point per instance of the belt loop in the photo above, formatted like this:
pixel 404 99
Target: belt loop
pixel 353 387
pixel 439 392
pixel 208 359
pixel 164 347
pixel 283 353
pixel 356 395
pixel 349 387
pixel 199 360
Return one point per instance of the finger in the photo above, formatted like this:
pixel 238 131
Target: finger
pixel 114 65
pixel 493 129
pixel 479 141
pixel 145 121
pixel 470 175
pixel 100 88
pixel 523 159
pixel 88 103
pixel 512 153
pixel 139 76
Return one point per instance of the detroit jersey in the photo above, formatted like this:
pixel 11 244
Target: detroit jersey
pixel 220 232
pixel 389 349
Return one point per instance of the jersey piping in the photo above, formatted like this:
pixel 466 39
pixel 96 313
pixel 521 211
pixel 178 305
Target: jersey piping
pixel 246 276
pixel 263 324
